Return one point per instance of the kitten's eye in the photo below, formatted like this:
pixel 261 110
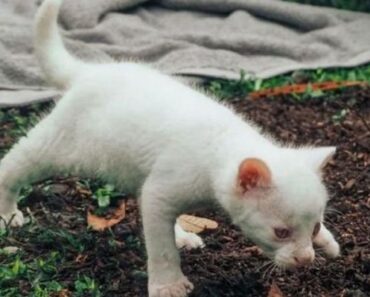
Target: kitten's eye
pixel 283 233
pixel 316 229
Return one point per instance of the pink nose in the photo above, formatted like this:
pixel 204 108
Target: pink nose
pixel 303 260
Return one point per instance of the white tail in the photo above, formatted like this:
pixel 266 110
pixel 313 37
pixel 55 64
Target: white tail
pixel 58 65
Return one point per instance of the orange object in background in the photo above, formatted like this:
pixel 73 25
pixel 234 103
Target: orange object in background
pixel 302 88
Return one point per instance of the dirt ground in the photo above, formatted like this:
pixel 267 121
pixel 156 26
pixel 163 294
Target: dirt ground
pixel 229 266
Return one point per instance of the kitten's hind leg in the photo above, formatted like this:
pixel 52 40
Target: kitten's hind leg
pixel 30 160
pixel 325 240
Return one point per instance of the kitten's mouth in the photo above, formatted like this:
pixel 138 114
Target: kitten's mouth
pixel 291 265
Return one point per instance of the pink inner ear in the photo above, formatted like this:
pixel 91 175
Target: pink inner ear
pixel 253 173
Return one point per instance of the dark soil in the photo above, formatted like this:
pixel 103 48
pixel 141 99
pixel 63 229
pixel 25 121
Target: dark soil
pixel 229 265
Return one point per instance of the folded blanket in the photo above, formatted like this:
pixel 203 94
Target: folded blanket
pixel 207 38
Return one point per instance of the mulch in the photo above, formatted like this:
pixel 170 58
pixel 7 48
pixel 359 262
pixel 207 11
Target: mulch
pixel 230 266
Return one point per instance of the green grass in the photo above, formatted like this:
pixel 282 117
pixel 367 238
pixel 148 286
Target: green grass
pixel 357 5
pixel 15 122
pixel 226 89
pixel 45 262
pixel 37 272
pixel 42 264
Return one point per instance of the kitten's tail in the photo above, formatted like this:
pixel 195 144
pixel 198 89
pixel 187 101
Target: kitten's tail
pixel 59 66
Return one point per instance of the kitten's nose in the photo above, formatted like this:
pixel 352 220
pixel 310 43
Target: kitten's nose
pixel 304 259
pixel 304 256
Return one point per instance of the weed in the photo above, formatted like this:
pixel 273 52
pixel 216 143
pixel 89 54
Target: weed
pixel 103 195
pixel 85 284
pixel 339 116
pixel 227 89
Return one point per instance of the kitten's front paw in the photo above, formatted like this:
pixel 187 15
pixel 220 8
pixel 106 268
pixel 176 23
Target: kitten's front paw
pixel 332 249
pixel 189 241
pixel 181 288
pixel 13 219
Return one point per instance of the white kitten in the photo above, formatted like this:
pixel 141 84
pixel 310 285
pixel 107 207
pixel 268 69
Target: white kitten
pixel 176 148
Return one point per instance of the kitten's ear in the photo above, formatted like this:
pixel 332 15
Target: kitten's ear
pixel 319 157
pixel 253 173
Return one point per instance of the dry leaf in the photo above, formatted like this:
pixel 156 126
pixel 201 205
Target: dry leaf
pixel 62 293
pixel 275 291
pixel 84 192
pixel 101 223
pixel 81 258
pixel 350 184
pixel 253 249
pixel 196 224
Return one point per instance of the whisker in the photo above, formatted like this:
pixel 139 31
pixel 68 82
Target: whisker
pixel 277 269
pixel 274 269
pixel 319 260
pixel 319 250
pixel 268 276
pixel 329 223
pixel 268 269
pixel 264 266
pixel 332 210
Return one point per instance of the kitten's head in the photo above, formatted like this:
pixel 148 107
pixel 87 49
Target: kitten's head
pixel 280 203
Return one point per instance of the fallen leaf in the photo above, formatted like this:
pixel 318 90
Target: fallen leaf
pixel 101 223
pixel 84 192
pixel 196 224
pixel 253 249
pixel 81 190
pixel 61 293
pixel 350 184
pixel 58 188
pixel 275 291
pixel 81 258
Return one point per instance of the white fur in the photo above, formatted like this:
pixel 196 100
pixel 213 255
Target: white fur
pixel 186 239
pixel 59 66
pixel 170 144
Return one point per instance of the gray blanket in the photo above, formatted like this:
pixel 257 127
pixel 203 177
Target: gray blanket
pixel 206 38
